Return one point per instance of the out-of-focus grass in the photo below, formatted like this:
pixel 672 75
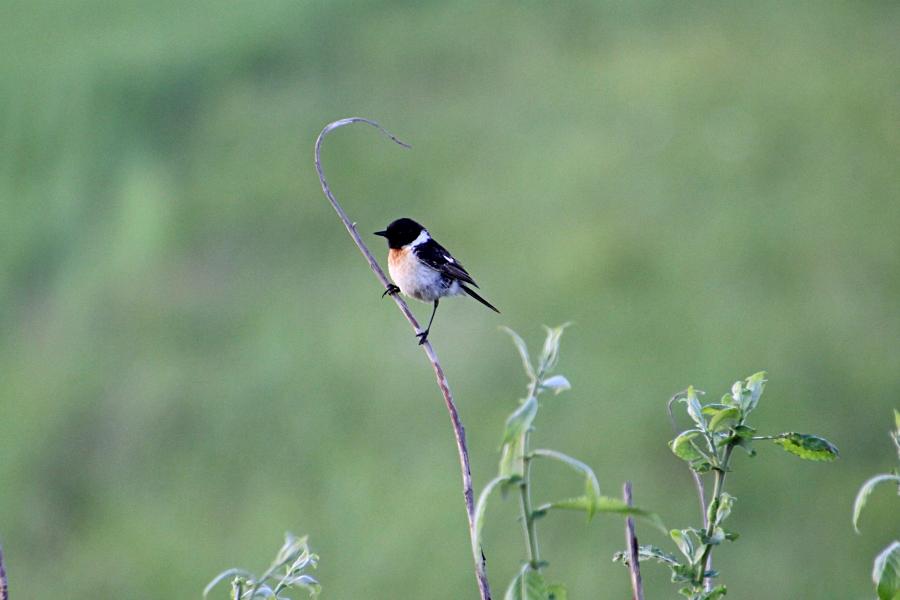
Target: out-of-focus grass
pixel 194 358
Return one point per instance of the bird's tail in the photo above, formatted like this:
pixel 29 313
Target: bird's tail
pixel 470 292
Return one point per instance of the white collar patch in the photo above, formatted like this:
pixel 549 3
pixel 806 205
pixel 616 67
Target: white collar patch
pixel 421 239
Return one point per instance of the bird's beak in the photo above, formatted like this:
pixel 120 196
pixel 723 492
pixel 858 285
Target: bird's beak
pixel 381 233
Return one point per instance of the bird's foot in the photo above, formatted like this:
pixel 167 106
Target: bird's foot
pixel 391 289
pixel 423 337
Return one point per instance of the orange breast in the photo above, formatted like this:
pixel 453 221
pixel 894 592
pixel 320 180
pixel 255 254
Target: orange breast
pixel 396 256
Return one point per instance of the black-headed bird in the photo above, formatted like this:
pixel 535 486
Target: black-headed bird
pixel 423 269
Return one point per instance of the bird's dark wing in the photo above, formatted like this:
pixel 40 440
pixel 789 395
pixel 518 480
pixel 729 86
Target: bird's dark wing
pixel 438 258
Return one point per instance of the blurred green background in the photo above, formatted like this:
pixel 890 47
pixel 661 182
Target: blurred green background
pixel 195 358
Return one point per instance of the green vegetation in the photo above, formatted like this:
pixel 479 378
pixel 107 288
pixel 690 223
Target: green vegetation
pixel 886 570
pixel 194 358
pixel 717 429
pixel 516 459
pixel 287 572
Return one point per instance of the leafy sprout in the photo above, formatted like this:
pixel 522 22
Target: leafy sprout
pixel 707 446
pixel 288 571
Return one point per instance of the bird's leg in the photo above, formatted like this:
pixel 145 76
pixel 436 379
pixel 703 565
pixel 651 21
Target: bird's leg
pixel 391 289
pixel 423 337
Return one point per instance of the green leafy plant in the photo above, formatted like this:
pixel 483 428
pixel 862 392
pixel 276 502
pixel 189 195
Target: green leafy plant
pixel 886 571
pixel 287 572
pixel 516 456
pixel 707 446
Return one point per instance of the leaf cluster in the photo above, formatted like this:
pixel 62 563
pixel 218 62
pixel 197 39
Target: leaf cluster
pixel 716 429
pixel 288 571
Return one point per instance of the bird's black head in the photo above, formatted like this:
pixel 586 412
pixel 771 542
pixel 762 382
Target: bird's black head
pixel 401 232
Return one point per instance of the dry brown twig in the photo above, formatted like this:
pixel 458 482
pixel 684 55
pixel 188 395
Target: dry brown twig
pixel 3 589
pixel 458 430
pixel 634 565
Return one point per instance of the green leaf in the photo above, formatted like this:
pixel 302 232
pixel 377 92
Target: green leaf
pixel 684 448
pixel 744 431
pixel 605 504
pixel 806 446
pixel 591 485
pixel 557 591
pixel 717 537
pixel 683 540
pixel 528 584
pixel 694 408
pixel 480 508
pixel 886 572
pixel 523 351
pixel 550 351
pixel 513 446
pixel 865 491
pixel 556 384
pixel 726 501
pixel 647 552
pixel 897 420
pixel 722 416
pixel 520 420
pixel 737 394
pixel 713 594
pixel 755 385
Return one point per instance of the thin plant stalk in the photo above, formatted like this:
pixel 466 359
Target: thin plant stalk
pixel 528 526
pixel 634 564
pixel 718 488
pixel 458 429
pixel 701 491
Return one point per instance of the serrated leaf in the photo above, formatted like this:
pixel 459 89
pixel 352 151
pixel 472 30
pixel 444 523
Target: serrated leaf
pixel 556 384
pixel 886 572
pixel 647 552
pixel 523 351
pixel 723 416
pixel 528 584
pixel 605 504
pixel 806 446
pixel 480 508
pixel 865 491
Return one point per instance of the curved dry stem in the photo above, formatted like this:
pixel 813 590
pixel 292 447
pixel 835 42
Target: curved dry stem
pixel 458 429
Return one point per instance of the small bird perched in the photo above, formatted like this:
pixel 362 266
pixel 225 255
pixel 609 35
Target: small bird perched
pixel 423 269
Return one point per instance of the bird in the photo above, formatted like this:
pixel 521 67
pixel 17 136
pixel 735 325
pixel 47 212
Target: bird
pixel 423 269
